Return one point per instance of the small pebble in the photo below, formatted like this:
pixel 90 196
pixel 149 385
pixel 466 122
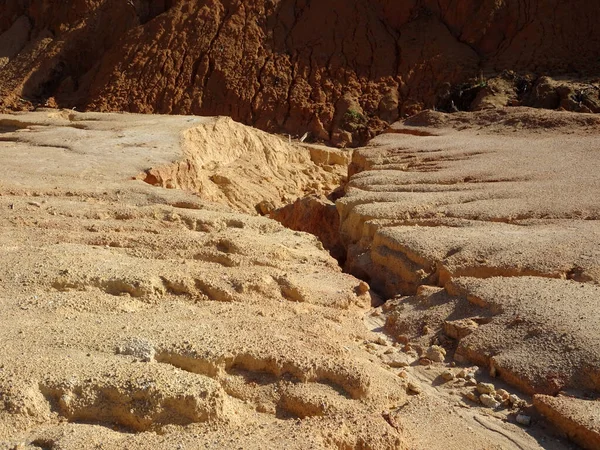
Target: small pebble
pixel 363 288
pixel 502 396
pixel 472 396
pixel 486 388
pixel 447 375
pixel 502 393
pixel 489 401
pixel 414 388
pixel 381 341
pixel 436 353
pixel 522 419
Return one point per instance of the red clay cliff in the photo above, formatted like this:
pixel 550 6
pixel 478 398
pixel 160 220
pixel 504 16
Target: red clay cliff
pixel 339 70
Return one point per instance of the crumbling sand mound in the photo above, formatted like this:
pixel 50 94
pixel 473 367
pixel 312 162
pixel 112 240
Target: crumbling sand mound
pixel 340 70
pixel 247 169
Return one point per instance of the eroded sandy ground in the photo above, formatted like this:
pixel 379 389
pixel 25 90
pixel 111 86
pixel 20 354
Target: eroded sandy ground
pixel 135 315
pixel 499 210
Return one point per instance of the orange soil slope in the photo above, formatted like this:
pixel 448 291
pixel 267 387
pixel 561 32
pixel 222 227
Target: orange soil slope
pixel 341 70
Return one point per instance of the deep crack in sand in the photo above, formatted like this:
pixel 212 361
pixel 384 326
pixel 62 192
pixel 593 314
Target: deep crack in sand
pixel 135 308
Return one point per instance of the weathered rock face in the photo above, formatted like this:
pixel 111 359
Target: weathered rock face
pixel 248 169
pixel 340 70
pixel 576 418
pixel 315 215
pixel 177 320
pixel 482 228
pixel 144 317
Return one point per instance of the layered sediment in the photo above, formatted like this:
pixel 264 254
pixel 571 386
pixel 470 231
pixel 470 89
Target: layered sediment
pixel 140 316
pixel 481 229
pixel 171 313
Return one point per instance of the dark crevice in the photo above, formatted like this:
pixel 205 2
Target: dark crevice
pixel 318 216
pixel 155 9
pixel 43 444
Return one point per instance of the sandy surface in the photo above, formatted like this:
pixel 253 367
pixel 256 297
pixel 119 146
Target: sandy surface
pixel 153 312
pixel 499 209
pixel 136 316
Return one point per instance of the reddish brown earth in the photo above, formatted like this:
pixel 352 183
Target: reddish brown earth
pixel 340 70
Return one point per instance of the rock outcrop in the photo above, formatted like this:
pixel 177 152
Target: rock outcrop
pixel 482 228
pixel 577 418
pixel 137 316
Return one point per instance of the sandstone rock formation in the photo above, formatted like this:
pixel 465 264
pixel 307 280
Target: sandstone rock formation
pixel 577 418
pixel 135 315
pixel 339 70
pixel 170 319
pixel 482 229
pixel 497 198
